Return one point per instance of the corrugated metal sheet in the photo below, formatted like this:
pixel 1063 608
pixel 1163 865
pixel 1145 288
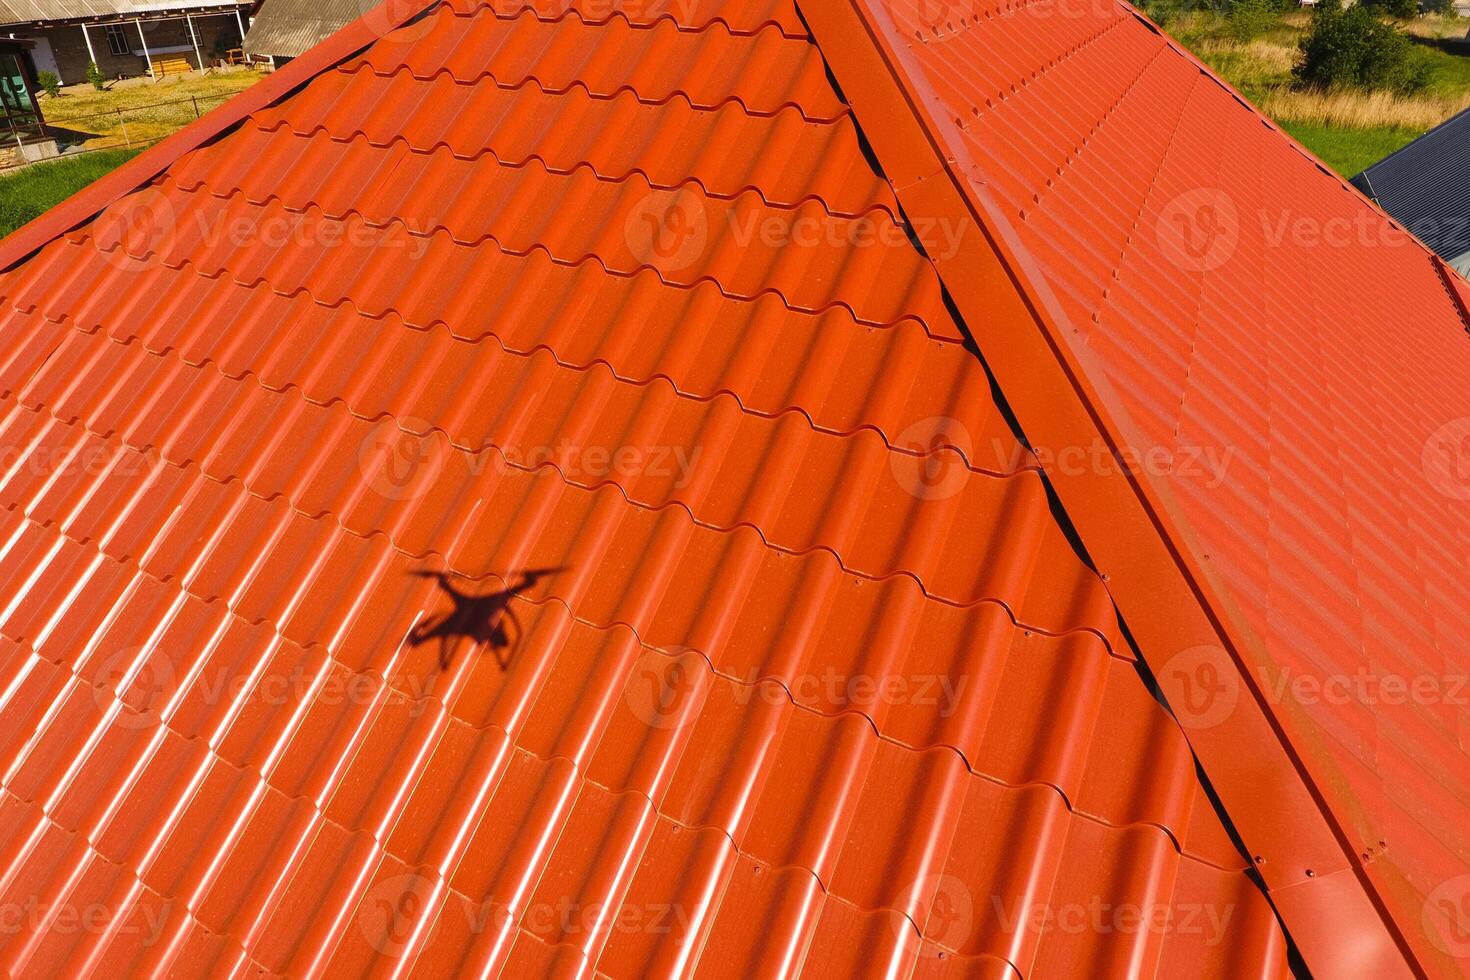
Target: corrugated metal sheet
pixel 1426 187
pixel 811 679
pixel 287 28
pixel 30 11
pixel 1218 295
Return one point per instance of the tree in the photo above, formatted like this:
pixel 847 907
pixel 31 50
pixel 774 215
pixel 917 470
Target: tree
pixel 1354 49
pixel 1406 9
pixel 94 75
pixel 49 83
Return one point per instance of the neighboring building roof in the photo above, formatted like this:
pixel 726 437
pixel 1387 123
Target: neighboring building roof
pixel 287 28
pixel 625 298
pixel 33 11
pixel 1426 186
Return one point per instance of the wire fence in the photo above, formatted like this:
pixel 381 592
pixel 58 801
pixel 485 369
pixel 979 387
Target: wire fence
pixel 133 127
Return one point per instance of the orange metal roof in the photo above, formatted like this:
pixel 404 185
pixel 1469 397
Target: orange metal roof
pixel 810 672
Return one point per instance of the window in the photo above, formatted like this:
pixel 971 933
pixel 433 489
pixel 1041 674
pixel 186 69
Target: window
pixel 193 31
pixel 117 41
pixel 18 117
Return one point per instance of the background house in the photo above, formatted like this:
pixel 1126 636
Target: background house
pixel 124 38
pixel 286 28
pixel 1426 186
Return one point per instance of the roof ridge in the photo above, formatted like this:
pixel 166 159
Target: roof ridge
pixel 1056 384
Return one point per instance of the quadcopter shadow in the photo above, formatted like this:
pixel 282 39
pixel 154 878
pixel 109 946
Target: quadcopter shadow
pixel 480 619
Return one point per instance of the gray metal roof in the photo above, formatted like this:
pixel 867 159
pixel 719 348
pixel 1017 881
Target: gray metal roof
pixel 29 11
pixel 1426 186
pixel 287 28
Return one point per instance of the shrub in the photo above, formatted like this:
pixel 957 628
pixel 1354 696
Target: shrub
pixel 1354 49
pixel 1444 7
pixel 1406 9
pixel 95 76
pixel 49 83
pixel 1250 18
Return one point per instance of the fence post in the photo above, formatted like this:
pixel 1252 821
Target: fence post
pixel 124 121
pixel 196 105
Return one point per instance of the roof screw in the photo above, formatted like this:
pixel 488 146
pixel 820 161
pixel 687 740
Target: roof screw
pixel 1260 859
pixel 1311 873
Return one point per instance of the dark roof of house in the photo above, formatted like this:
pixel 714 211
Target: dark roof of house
pixel 526 458
pixel 1426 186
pixel 287 28
pixel 13 12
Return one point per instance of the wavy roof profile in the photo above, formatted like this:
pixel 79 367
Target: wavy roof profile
pixel 521 490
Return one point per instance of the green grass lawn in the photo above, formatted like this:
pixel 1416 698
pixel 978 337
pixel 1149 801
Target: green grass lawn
pixel 28 192
pixel 1349 151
